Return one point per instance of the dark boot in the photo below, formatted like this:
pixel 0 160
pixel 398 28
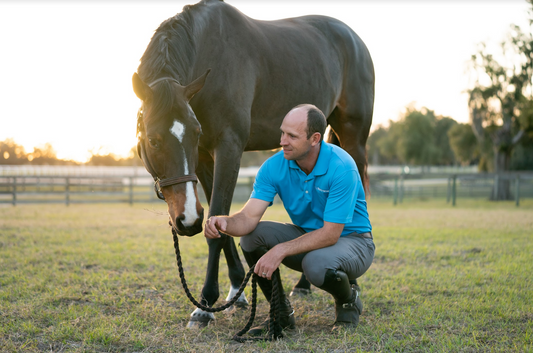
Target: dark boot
pixel 348 305
pixel 286 313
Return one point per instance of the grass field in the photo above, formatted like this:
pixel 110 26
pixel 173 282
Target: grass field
pixel 103 278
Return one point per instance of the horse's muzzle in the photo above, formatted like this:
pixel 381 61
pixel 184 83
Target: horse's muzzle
pixel 190 230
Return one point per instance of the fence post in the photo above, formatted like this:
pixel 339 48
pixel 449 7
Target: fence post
pixel 449 190
pixel 454 189
pixel 14 191
pixel 131 191
pixel 395 191
pixel 517 190
pixel 496 186
pixel 400 191
pixel 67 191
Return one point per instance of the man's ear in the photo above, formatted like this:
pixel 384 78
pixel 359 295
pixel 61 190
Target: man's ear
pixel 315 138
pixel 140 88
pixel 195 86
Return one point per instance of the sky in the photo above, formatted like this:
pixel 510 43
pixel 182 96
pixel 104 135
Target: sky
pixel 66 67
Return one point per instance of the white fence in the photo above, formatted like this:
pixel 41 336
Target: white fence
pixel 84 184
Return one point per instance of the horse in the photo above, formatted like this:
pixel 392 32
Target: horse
pixel 215 83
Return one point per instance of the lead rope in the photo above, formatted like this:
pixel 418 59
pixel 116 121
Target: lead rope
pixel 274 331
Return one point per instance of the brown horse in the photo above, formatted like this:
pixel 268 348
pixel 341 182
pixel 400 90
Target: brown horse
pixel 196 123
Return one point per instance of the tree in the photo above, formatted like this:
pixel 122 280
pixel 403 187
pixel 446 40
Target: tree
pixel 445 153
pixel 375 156
pixel 501 102
pixel 417 140
pixel 12 153
pixel 419 137
pixel 463 143
pixel 44 155
pixel 388 143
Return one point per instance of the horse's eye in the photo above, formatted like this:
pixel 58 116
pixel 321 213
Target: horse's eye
pixel 153 143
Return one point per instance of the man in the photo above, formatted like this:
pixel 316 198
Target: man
pixel 330 240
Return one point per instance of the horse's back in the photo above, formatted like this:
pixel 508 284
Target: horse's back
pixel 268 67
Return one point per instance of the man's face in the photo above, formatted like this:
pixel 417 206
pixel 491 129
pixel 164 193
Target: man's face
pixel 294 140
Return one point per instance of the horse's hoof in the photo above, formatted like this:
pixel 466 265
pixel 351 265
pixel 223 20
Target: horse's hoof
pixel 241 303
pixel 200 319
pixel 299 292
pixel 238 305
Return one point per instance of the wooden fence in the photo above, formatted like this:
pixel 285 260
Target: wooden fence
pixel 449 186
pixel 126 185
pixel 71 185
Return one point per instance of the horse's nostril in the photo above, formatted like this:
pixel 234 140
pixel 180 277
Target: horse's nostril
pixel 181 217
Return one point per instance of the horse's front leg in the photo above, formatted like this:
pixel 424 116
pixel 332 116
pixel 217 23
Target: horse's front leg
pixel 226 170
pixel 227 165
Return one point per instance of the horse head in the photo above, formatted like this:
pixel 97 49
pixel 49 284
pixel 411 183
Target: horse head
pixel 168 134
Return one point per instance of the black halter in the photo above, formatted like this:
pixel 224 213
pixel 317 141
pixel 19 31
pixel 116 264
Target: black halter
pixel 158 183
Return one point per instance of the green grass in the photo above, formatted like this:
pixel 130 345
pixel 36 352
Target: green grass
pixel 103 278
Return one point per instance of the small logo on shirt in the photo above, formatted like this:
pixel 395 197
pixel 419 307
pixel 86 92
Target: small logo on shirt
pixel 321 190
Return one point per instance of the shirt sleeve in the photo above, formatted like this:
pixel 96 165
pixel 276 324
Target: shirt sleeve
pixel 341 201
pixel 264 188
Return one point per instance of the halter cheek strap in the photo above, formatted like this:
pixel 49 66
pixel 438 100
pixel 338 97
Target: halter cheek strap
pixel 158 183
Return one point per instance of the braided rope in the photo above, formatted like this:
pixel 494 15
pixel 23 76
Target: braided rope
pixel 274 333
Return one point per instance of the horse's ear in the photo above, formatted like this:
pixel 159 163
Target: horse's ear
pixel 140 88
pixel 195 86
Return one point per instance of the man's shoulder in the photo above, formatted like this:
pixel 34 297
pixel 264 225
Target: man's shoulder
pixel 341 159
pixel 274 166
pixel 276 160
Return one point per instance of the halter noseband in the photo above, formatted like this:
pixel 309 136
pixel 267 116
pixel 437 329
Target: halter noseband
pixel 159 183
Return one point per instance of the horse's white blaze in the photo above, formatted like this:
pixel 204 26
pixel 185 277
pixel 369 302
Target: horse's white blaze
pixel 178 130
pixel 190 203
pixel 190 213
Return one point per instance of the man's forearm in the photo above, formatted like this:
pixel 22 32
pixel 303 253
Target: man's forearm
pixel 239 225
pixel 316 239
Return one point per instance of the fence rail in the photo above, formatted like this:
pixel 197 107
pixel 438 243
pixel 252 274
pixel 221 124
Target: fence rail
pixel 89 187
pixel 71 185
pixel 450 186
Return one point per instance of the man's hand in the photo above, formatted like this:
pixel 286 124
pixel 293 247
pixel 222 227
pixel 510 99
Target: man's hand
pixel 213 225
pixel 269 262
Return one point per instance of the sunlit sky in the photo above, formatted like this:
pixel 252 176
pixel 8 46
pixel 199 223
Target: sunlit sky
pixel 66 67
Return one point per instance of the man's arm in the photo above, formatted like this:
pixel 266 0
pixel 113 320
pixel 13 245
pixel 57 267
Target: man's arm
pixel 238 224
pixel 326 236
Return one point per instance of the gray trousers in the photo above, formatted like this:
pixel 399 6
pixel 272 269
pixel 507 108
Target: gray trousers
pixel 352 253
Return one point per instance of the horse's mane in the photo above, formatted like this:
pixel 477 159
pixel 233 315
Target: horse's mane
pixel 171 50
pixel 170 53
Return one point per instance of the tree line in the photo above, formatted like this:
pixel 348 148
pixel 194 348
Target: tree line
pixel 12 153
pixel 420 137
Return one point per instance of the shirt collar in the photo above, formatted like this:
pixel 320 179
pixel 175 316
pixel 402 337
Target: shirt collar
pixel 321 166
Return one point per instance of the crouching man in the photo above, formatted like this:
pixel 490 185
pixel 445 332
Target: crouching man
pixel 330 240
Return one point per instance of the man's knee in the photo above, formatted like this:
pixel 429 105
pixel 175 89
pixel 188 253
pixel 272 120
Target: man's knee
pixel 314 267
pixel 254 240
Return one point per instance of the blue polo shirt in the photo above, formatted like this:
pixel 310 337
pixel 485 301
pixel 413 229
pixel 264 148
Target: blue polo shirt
pixel 332 192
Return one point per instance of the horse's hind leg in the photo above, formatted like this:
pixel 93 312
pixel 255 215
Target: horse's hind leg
pixel 351 124
pixel 236 272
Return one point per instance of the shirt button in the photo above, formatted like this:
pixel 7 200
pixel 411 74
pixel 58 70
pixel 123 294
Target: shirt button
pixel 307 192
